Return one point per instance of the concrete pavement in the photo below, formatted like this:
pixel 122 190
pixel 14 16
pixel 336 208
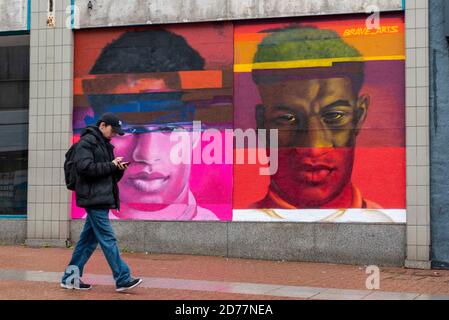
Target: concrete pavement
pixel 34 273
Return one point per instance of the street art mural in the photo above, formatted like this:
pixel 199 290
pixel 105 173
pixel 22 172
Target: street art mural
pixel 335 93
pixel 331 89
pixel 157 81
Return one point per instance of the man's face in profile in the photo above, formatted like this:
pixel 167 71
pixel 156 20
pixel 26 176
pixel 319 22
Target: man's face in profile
pixel 318 121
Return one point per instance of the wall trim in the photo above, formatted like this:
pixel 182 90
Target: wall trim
pixel 359 244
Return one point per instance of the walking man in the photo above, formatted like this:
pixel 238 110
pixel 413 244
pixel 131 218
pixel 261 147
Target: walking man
pixel 97 174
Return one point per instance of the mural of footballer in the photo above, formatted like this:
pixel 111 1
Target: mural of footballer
pixel 148 62
pixel 318 112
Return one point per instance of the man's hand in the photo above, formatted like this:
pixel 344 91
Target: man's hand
pixel 118 163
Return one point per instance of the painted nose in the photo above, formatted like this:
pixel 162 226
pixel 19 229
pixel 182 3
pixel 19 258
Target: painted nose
pixel 315 135
pixel 145 150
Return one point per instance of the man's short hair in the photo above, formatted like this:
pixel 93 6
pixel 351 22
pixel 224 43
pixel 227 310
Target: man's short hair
pixel 144 51
pixel 147 51
pixel 308 42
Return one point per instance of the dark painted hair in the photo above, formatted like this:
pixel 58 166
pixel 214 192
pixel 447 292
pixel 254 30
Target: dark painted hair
pixel 154 50
pixel 147 51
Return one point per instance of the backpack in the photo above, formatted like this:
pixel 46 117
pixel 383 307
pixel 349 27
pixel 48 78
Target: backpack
pixel 70 168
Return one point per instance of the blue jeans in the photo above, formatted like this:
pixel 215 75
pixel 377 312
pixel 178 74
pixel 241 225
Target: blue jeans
pixel 98 229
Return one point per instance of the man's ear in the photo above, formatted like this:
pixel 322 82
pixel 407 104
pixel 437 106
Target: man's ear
pixel 260 116
pixel 363 103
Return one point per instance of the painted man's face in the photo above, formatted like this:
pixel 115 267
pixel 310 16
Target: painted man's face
pixel 318 121
pixel 152 181
pixel 151 178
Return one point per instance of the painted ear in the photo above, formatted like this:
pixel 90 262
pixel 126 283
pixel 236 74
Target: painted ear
pixel 363 103
pixel 260 116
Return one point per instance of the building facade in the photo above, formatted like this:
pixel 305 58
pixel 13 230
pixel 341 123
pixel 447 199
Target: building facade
pixel 338 89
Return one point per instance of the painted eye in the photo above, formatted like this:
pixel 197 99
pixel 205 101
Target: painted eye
pixel 335 117
pixel 288 118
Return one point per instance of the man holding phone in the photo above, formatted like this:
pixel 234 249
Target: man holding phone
pixel 98 172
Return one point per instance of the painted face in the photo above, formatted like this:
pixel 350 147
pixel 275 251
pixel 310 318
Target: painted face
pixel 318 121
pixel 152 178
pixel 152 181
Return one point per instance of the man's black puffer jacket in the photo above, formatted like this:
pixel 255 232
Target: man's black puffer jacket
pixel 97 177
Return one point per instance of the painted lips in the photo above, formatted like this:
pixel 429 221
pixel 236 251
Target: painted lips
pixel 148 182
pixel 315 173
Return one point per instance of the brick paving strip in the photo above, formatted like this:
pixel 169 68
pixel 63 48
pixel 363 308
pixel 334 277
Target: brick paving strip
pixel 210 278
pixel 229 287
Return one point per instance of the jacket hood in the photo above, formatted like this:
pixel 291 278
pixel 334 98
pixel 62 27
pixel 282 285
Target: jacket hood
pixel 95 132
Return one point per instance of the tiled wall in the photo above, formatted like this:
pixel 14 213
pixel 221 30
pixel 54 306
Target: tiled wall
pixel 417 121
pixel 51 54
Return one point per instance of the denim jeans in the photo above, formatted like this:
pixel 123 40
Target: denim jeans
pixel 98 229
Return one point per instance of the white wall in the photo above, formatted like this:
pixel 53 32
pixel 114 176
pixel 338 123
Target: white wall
pixel 14 13
pixel 133 12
